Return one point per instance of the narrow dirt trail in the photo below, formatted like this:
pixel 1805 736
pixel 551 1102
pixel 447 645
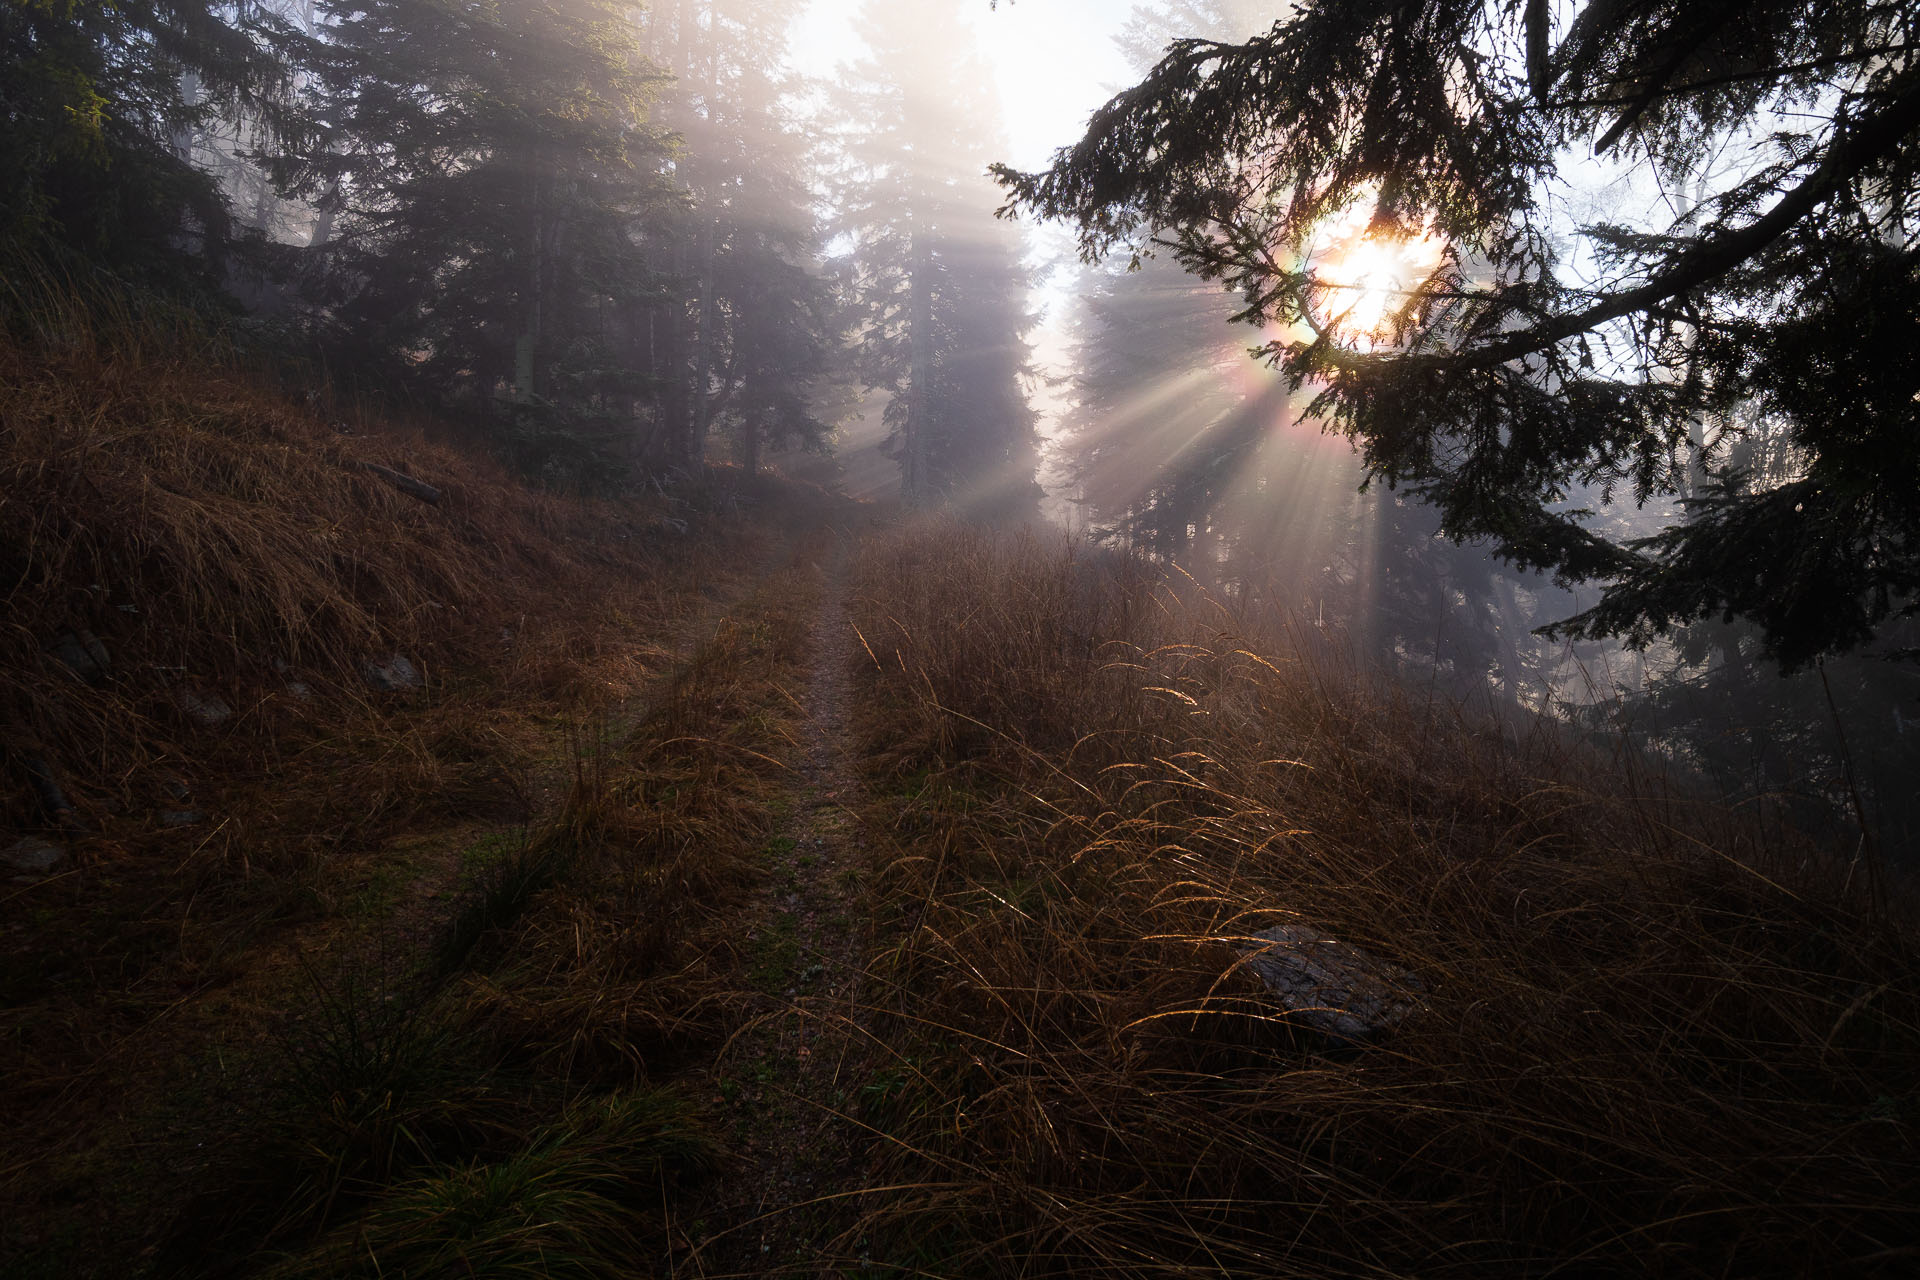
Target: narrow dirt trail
pixel 792 1072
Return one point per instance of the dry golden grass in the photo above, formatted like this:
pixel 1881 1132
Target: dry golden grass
pixel 221 542
pixel 595 959
pixel 219 539
pixel 1652 1036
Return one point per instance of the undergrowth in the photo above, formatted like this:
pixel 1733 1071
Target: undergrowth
pixel 503 1103
pixel 1646 1036
pixel 583 1200
pixel 330 971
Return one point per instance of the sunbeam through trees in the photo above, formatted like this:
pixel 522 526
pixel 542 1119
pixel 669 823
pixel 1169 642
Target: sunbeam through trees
pixel 1010 639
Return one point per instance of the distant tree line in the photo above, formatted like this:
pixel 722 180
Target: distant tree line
pixel 601 230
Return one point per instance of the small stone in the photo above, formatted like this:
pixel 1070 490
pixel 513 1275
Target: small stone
pixel 181 817
pixel 394 674
pixel 1333 986
pixel 298 689
pixel 204 710
pixel 82 653
pixel 33 855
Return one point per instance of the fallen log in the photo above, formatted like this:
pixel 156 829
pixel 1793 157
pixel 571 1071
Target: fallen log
pixel 405 483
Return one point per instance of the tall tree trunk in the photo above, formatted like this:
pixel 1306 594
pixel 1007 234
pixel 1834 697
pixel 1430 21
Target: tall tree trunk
pixel 1203 547
pixel 703 338
pixel 1510 622
pixel 917 484
pixel 668 331
pixel 324 212
pixel 682 402
pixel 184 137
pixel 526 350
pixel 751 427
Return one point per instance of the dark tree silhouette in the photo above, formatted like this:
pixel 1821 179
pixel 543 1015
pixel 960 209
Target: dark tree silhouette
pixel 98 103
pixel 1512 387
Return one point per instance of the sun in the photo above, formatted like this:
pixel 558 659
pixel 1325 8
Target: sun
pixel 1361 283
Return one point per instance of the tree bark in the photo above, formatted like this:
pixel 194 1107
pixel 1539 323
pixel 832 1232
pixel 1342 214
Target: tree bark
pixel 916 483
pixel 703 340
pixel 405 483
pixel 526 353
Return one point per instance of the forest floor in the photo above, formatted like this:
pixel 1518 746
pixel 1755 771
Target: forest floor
pixel 755 885
pixel 192 1014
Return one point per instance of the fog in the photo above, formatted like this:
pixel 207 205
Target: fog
pixel 1162 434
pixel 834 155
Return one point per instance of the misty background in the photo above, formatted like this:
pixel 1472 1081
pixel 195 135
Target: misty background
pixel 823 287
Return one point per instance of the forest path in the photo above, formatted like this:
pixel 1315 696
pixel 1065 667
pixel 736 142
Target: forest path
pixel 791 1073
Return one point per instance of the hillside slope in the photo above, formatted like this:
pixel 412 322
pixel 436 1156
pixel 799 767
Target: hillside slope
pixel 291 705
pixel 1214 952
pixel 748 884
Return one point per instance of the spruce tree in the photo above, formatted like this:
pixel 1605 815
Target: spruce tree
pixel 754 320
pixel 96 102
pixel 481 169
pixel 940 283
pixel 1536 374
pixel 1183 447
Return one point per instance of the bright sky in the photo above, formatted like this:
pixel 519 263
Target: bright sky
pixel 1053 60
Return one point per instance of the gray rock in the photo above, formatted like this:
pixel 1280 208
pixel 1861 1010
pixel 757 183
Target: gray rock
pixel 298 689
pixel 394 674
pixel 33 856
pixel 203 709
pixel 1332 986
pixel 47 790
pixel 82 653
pixel 181 817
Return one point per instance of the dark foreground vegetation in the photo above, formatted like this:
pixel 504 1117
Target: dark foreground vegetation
pixel 1650 1037
pixel 329 950
pixel 548 964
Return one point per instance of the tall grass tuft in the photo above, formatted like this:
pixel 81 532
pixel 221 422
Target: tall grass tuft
pixel 509 885
pixel 380 1080
pixel 584 1200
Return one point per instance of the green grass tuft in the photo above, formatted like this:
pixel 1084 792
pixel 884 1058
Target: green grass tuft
pixel 583 1200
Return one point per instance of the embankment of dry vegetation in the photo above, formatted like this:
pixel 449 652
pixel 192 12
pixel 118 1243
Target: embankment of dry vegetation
pixel 1631 1032
pixel 657 924
pixel 294 922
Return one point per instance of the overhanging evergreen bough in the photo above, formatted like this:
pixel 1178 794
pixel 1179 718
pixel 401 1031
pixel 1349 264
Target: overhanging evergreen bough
pixel 1744 365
